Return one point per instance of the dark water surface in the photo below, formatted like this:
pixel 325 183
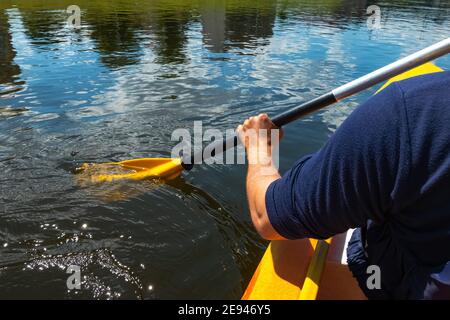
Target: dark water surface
pixel 117 87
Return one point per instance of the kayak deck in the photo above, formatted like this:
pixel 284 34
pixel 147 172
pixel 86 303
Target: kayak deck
pixel 282 272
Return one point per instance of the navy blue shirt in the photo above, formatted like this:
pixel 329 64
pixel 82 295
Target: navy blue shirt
pixel 386 170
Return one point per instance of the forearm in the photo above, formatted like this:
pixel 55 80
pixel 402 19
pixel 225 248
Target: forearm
pixel 259 177
pixel 259 136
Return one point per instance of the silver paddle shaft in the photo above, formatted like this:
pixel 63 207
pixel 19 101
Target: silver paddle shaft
pixel 414 60
pixel 391 70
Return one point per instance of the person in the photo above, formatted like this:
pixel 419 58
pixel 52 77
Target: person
pixel 386 172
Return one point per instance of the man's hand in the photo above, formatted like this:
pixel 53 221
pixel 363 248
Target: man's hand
pixel 256 134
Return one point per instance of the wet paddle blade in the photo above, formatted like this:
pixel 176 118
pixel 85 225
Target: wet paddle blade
pixel 135 169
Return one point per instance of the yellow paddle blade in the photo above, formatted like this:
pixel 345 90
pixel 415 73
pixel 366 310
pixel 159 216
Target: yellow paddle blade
pixel 135 169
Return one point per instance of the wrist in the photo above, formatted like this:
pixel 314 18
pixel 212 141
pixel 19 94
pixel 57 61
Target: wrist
pixel 259 154
pixel 262 172
pixel 262 166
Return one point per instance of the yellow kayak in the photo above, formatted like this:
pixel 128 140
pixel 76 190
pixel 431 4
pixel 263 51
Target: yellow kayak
pixel 310 269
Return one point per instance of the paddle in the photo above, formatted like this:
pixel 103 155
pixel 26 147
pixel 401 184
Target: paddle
pixel 168 168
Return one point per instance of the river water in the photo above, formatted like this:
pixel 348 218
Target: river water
pixel 116 87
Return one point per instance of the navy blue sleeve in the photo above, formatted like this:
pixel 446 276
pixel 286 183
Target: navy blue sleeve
pixel 359 174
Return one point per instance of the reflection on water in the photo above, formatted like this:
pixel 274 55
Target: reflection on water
pixel 116 88
pixel 9 70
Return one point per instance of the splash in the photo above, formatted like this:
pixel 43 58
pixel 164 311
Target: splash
pixel 89 263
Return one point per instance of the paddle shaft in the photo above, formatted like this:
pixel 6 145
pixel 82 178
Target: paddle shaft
pixel 414 60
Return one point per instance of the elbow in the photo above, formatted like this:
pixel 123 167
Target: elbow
pixel 263 233
pixel 264 228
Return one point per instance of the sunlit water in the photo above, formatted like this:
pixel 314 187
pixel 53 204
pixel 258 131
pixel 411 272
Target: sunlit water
pixel 116 89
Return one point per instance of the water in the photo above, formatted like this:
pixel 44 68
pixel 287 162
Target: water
pixel 117 87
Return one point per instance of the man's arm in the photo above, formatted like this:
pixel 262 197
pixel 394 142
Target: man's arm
pixel 261 170
pixel 360 174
